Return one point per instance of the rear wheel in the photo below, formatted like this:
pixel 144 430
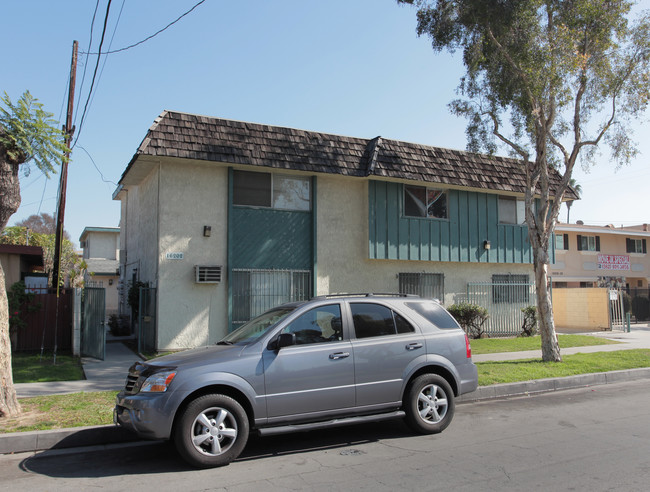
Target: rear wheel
pixel 429 404
pixel 211 431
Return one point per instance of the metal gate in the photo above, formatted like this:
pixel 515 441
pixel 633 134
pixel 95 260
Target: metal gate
pixel 147 320
pixel 504 302
pixel 616 310
pixel 93 323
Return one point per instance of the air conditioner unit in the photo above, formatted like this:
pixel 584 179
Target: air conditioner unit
pixel 207 274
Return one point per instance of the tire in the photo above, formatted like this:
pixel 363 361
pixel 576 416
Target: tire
pixel 429 404
pixel 211 431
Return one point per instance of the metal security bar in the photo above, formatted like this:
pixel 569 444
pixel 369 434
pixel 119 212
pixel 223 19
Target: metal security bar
pixel 504 302
pixel 255 291
pixel 147 342
pixel 429 285
pixel 616 310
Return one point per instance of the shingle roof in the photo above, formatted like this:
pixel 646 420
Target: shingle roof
pixel 190 136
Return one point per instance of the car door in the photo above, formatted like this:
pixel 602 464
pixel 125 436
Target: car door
pixel 384 344
pixel 317 374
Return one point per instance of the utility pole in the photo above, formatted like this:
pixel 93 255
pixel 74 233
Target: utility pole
pixel 68 130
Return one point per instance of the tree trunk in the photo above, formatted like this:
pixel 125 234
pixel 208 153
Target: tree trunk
pixel 9 203
pixel 550 346
pixel 9 406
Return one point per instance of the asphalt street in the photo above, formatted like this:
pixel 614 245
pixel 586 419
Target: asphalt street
pixel 594 438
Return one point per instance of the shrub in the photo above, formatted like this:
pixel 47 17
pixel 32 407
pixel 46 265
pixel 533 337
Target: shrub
pixel 627 302
pixel 529 326
pixel 119 325
pixel 20 304
pixel 471 317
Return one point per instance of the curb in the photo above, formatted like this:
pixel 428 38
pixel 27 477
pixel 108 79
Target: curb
pixel 22 442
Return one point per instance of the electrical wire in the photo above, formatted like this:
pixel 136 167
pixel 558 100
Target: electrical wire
pixel 148 37
pixel 92 83
pixel 83 76
pixel 119 16
pixel 96 167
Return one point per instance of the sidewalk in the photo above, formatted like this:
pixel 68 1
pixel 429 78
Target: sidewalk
pixel 110 374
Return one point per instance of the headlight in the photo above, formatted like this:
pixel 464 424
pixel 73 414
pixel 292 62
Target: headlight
pixel 158 383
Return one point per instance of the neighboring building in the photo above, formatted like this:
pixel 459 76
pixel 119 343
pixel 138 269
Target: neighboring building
pixel 601 256
pixel 224 219
pixel 100 247
pixel 20 263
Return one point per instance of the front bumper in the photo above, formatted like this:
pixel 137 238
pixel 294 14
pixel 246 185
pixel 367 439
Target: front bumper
pixel 148 415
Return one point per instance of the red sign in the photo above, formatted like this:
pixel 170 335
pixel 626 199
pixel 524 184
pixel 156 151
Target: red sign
pixel 613 262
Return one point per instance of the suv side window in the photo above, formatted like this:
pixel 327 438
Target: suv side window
pixel 375 320
pixel 321 324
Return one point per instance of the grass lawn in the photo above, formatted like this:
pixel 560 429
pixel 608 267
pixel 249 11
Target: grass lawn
pixel 520 344
pixel 28 367
pixel 526 370
pixel 62 411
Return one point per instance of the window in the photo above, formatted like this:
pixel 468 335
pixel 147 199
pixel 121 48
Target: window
pixel 375 320
pixel 425 202
pixel 511 210
pixel 430 285
pixel 322 324
pixel 271 191
pixel 509 288
pixel 256 291
pixel 434 313
pixel 636 245
pixel 561 241
pixel 588 243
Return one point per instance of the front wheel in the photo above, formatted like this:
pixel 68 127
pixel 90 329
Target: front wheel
pixel 211 431
pixel 429 404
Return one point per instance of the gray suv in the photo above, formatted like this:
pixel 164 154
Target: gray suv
pixel 330 361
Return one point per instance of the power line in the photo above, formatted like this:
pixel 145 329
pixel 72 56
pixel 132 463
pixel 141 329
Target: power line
pixel 94 164
pixel 147 38
pixel 92 83
pixel 83 76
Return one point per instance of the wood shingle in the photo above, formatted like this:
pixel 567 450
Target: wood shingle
pixel 189 136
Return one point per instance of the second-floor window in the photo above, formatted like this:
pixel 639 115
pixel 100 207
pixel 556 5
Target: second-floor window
pixel 588 243
pixel 271 191
pixel 561 241
pixel 511 210
pixel 425 202
pixel 635 245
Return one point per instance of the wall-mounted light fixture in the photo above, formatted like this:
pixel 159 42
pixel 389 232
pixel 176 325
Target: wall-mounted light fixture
pixel 486 244
pixel 207 230
pixel 110 281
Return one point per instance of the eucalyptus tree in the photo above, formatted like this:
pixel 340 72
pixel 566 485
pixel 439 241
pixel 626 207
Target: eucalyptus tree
pixel 28 134
pixel 550 80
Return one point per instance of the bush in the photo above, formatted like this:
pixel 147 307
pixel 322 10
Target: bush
pixel 529 327
pixel 641 308
pixel 20 303
pixel 471 317
pixel 627 302
pixel 119 325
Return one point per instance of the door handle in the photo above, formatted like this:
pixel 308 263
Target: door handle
pixel 339 355
pixel 413 346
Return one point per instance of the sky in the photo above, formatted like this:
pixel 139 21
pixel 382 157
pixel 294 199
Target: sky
pixel 346 67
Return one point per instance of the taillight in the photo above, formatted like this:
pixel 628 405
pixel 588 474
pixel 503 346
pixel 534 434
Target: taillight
pixel 468 347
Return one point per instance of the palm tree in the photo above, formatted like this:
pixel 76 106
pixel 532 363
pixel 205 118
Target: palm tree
pixel 578 189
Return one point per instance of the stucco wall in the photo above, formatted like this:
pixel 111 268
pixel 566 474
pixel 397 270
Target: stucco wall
pixel 195 195
pixel 581 308
pixel 342 226
pixel 102 245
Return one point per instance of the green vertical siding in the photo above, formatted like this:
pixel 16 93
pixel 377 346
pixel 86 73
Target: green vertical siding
pixel 472 219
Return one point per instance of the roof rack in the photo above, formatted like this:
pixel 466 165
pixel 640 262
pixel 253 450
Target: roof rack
pixel 366 294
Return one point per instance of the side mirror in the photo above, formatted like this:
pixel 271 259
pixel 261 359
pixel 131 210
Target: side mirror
pixel 285 340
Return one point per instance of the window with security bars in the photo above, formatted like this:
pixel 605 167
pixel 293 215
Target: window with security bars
pixel 429 285
pixel 510 288
pixel 256 291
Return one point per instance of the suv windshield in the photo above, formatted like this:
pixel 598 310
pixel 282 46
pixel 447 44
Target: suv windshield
pixel 256 327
